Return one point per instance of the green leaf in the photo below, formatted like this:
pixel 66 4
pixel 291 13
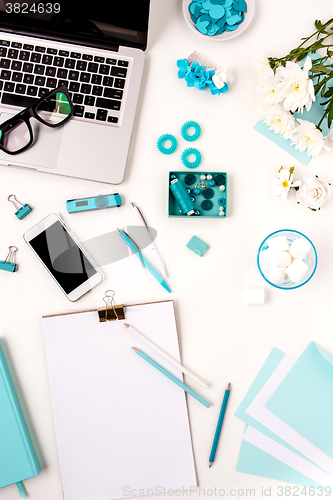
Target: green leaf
pixel 313 209
pixel 318 25
pixel 320 68
pixel 316 46
pixel 329 92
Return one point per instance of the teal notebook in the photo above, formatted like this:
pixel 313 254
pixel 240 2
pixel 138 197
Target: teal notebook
pixel 18 460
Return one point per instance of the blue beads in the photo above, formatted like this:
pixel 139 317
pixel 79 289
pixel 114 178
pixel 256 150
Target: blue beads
pixel 221 201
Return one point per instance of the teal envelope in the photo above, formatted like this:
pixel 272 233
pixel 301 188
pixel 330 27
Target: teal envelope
pixel 251 459
pixel 285 144
pixel 305 397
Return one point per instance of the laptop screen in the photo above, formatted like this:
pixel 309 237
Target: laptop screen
pixel 98 23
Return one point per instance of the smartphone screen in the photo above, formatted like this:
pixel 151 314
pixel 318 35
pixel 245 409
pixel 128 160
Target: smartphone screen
pixel 63 258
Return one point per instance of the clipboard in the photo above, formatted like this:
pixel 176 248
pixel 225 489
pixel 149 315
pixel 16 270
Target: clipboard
pixel 120 427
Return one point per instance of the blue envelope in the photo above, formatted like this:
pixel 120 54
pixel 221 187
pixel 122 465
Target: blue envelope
pixel 305 397
pixel 251 459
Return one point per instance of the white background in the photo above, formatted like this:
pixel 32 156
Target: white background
pixel 221 338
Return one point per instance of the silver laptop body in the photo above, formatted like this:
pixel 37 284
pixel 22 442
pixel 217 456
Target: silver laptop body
pixel 94 144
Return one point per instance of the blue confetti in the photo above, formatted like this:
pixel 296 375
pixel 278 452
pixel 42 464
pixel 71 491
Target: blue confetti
pixel 213 17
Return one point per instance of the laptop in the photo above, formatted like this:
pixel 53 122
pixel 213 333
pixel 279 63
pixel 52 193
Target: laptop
pixel 97 49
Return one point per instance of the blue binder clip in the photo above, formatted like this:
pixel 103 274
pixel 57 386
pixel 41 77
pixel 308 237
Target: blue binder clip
pixel 9 263
pixel 22 210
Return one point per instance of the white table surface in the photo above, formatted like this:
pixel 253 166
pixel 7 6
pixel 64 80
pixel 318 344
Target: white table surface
pixel 221 338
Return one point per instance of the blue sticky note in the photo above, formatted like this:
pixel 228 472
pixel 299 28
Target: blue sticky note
pixel 305 397
pixel 246 460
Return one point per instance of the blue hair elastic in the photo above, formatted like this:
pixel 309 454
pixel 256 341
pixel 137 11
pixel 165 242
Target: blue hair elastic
pixel 162 139
pixel 191 164
pixel 185 128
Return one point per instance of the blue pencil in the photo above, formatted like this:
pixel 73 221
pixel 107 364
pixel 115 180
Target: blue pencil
pixel 219 425
pixel 170 376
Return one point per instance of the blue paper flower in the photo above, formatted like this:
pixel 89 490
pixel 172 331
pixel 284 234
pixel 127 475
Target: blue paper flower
pixel 184 67
pixel 197 76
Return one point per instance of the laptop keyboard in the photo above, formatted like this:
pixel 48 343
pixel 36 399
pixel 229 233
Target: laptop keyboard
pixel 96 84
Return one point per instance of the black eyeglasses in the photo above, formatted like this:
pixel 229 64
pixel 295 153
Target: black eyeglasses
pixel 54 109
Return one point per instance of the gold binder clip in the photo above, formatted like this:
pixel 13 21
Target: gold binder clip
pixel 110 312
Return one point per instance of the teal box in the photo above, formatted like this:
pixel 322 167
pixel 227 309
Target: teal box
pixel 209 199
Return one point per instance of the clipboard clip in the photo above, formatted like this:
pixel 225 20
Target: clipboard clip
pixel 110 312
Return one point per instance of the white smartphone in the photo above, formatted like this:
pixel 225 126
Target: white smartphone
pixel 63 257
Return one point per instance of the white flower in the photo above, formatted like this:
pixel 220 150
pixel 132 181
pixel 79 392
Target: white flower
pixel 261 62
pixel 313 192
pixel 308 137
pixel 277 119
pixel 268 83
pixel 295 88
pixel 222 76
pixel 283 182
pixel 329 139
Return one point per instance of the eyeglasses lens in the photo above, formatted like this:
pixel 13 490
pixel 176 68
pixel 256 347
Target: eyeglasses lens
pixel 15 136
pixel 54 109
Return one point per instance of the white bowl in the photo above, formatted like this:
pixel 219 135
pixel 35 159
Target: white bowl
pixel 226 35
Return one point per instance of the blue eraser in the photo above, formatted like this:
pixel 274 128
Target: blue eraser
pixel 197 246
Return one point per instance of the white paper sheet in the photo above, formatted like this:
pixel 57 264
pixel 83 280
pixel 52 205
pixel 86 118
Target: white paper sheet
pixel 267 418
pixel 120 424
pixel 286 456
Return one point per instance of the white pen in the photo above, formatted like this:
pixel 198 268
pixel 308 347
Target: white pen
pixel 151 246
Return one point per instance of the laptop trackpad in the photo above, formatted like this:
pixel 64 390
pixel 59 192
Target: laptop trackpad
pixel 44 150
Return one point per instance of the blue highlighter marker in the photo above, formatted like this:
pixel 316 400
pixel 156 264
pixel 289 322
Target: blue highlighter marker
pixel 94 203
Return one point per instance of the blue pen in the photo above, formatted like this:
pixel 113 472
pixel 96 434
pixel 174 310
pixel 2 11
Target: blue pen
pixel 135 249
